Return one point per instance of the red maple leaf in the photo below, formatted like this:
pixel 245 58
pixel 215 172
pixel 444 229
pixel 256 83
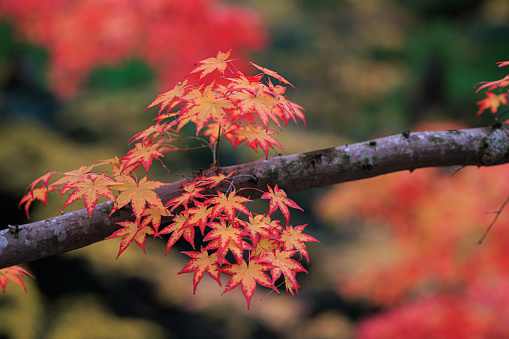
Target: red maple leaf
pixel 283 263
pixel 279 200
pixel 40 193
pixel 257 227
pixel 199 215
pixel 256 136
pixel 73 177
pixel 293 237
pixel 178 228
pixel 144 153
pixel 248 275
pixel 229 204
pixel 191 192
pixel 492 101
pixel 14 274
pixel 202 262
pixel 274 74
pixel 228 237
pixel 259 103
pixel 90 190
pixel 129 231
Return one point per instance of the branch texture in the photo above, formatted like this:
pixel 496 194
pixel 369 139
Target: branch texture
pixel 486 146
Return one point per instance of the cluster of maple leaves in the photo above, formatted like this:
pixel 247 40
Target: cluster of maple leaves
pixel 236 242
pixel 494 100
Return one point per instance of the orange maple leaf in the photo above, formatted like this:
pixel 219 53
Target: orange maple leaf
pixel 137 193
pixel 217 179
pixel 14 274
pixel 44 179
pixel 202 262
pixel 167 99
pixel 227 236
pixel 73 177
pixel 177 228
pixel 40 193
pixel 157 129
pixel 131 230
pixel 153 215
pixel 144 153
pixel 259 103
pixel 275 75
pixel 199 215
pixel 256 136
pixel 293 237
pixel 248 275
pixel 90 190
pixel 211 64
pixel 192 191
pixel 206 106
pixel 258 226
pixel 229 204
pixel 492 101
pixel 279 200
pixel 283 263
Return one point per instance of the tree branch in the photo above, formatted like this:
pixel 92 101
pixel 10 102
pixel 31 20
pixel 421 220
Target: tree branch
pixel 407 151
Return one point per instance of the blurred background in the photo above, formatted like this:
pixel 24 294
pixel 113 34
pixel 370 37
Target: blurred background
pixel 397 257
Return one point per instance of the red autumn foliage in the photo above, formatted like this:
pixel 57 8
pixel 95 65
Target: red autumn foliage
pixel 170 36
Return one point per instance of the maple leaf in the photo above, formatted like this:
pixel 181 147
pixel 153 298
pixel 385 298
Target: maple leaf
pixel 178 228
pixel 279 200
pixel 202 262
pixel 137 193
pixel 44 179
pixel 211 64
pixel 153 215
pixel 259 103
pixel 90 190
pixel 283 263
pixel 229 204
pixel 256 136
pixel 227 236
pixel 492 101
pixel 166 99
pixel 274 74
pixel 206 106
pixel 199 215
pixel 14 274
pixel 217 179
pixel 40 193
pixel 263 246
pixel 293 237
pixel 257 226
pixel 144 152
pixel 248 275
pixel 158 129
pixel 498 83
pixel 73 177
pixel 129 231
pixel 192 191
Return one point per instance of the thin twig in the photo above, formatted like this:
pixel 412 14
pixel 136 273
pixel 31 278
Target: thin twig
pixel 497 214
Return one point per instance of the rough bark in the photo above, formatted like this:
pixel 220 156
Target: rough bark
pixel 407 151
